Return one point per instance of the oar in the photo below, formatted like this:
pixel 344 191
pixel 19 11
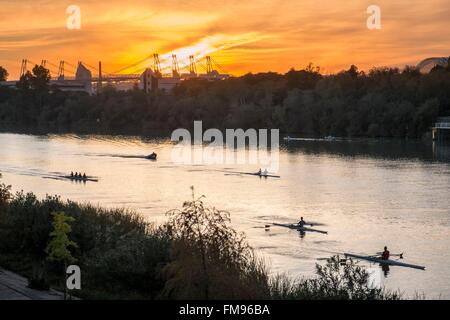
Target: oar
pixel 316 224
pixel 400 255
pixel 306 224
pixel 293 224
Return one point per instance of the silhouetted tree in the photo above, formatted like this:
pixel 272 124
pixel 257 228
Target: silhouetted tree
pixel 304 79
pixel 3 74
pixel 25 81
pixel 41 78
pixel 353 71
pixel 411 70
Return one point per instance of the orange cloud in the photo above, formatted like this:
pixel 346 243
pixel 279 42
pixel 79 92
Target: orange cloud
pixel 252 35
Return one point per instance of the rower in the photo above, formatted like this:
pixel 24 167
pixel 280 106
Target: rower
pixel 84 176
pixel 71 174
pixel 385 255
pixel 265 172
pixel 76 175
pixel 259 172
pixel 301 223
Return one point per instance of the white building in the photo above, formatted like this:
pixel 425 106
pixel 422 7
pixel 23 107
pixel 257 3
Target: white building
pixel 426 65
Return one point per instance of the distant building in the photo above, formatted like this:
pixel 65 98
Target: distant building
pixel 213 75
pixel 83 73
pixel 151 81
pixel 72 85
pixel 8 84
pixel 441 129
pixel 426 65
pixel 118 85
pixel 81 83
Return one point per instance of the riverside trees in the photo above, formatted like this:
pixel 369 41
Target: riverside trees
pixel 3 74
pixel 384 102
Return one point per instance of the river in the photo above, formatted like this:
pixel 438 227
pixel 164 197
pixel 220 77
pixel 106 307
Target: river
pixel 366 193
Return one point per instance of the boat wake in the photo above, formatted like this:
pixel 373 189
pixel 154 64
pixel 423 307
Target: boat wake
pixel 22 171
pixel 125 156
pixel 46 175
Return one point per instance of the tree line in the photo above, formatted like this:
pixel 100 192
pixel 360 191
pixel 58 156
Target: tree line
pixel 383 102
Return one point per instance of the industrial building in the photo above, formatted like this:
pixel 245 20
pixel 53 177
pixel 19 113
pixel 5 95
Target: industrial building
pixel 81 83
pixel 149 80
pixel 426 65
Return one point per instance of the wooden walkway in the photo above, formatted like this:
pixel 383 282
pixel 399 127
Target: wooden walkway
pixel 15 287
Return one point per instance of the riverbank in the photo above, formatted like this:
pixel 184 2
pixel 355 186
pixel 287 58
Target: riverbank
pixel 15 287
pixel 195 255
pixel 285 137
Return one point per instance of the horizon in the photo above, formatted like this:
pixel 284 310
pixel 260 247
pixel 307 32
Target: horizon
pixel 281 72
pixel 265 36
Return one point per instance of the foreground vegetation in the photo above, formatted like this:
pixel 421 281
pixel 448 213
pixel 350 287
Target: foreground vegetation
pixel 195 255
pixel 383 102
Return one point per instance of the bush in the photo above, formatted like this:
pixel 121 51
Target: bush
pixel 335 280
pixel 5 195
pixel 209 259
pixel 119 254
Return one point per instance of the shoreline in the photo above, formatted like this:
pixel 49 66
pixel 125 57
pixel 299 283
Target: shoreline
pixel 166 136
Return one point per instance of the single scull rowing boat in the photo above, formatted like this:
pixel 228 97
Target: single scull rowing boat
pixel 297 227
pixel 262 175
pixel 385 262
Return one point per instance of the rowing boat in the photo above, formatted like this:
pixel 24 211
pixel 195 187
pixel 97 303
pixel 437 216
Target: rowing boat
pixel 151 156
pixel 262 175
pixel 297 227
pixel 80 179
pixel 384 262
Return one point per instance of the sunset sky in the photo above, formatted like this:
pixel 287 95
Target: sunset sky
pixel 243 36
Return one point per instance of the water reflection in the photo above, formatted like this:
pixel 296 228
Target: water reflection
pixel 369 194
pixel 370 148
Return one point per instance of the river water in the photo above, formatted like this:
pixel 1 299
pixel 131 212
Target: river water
pixel 366 193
